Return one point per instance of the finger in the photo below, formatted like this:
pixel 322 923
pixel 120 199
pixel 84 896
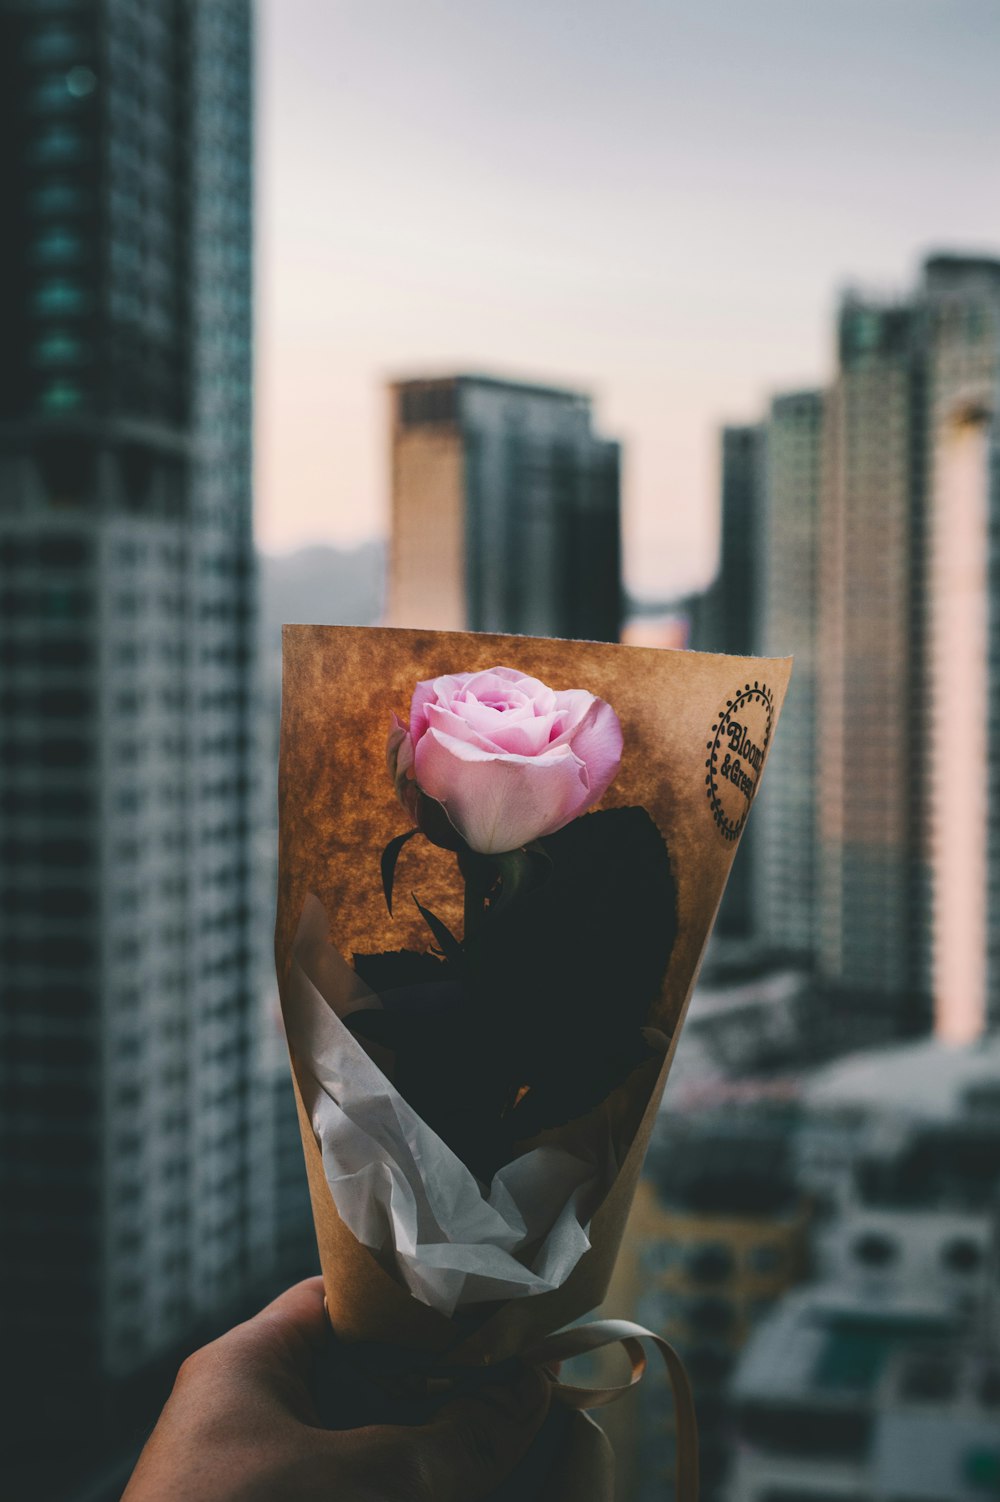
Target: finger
pixel 473 1443
pixel 272 1353
pixel 298 1316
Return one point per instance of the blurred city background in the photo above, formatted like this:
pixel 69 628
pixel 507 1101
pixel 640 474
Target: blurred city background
pixel 669 323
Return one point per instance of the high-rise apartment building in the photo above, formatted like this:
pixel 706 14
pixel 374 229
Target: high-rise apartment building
pixel 505 510
pixel 785 816
pixel 872 877
pixel 861 532
pixel 909 763
pixel 136 1183
pixel 960 298
pixel 727 619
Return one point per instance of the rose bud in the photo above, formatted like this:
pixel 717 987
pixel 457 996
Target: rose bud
pixel 507 758
pixel 399 760
pixel 429 817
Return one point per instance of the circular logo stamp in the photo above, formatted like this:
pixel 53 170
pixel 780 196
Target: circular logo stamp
pixel 736 755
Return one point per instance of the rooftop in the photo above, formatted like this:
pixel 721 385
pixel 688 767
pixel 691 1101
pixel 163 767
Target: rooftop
pixel 924 1080
pixel 495 383
pixel 822 1348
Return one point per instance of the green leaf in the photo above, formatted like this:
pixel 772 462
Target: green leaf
pixel 399 969
pixel 447 943
pixel 390 855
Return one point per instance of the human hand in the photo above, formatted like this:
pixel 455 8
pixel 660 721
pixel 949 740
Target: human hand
pixel 240 1426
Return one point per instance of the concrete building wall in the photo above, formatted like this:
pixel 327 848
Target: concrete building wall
pixel 962 320
pixel 870 683
pixel 427 575
pixel 785 816
pixel 137 1140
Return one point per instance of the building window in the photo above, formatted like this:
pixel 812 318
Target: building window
pixel 59 348
pixel 58 246
pixel 61 396
pixel 712 1316
pixel 961 1255
pixel 63 703
pixel 51 95
pixel 711 1263
pixel 927 1379
pixel 64 652
pixel 60 297
pixel 765 1258
pixel 62 604
pixel 875 1250
pixel 53 44
pixel 58 145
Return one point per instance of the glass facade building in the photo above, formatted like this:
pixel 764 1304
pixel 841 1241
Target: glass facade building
pixel 728 619
pixel 960 297
pixel 505 511
pixel 872 877
pixel 135 1144
pixel 785 818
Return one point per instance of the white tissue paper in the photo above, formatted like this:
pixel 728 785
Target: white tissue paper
pixel 397 1186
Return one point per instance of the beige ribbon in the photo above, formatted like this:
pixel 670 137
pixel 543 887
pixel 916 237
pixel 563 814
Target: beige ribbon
pixel 581 1340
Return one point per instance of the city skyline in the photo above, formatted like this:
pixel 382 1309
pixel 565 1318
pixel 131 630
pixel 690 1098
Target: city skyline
pixel 859 533
pixel 531 194
pixel 658 207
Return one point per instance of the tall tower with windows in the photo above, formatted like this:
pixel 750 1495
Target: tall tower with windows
pixel 505 510
pixel 728 619
pixel 909 764
pixel 785 817
pixel 135 1193
pixel 872 874
pixel 960 296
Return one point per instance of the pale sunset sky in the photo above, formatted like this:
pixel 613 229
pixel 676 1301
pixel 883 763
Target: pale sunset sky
pixel 657 201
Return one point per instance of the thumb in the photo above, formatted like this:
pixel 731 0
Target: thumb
pixel 474 1443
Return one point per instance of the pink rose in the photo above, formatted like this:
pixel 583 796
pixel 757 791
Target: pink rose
pixel 509 759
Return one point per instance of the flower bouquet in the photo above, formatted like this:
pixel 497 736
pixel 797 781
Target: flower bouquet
pixel 500 859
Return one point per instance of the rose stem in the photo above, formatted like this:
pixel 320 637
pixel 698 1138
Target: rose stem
pixel 473 908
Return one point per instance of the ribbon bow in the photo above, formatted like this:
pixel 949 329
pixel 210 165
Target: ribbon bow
pixel 359 1380
pixel 581 1340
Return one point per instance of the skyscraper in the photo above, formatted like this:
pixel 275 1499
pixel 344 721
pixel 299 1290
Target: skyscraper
pixel 729 613
pixel 960 297
pixel 727 619
pixel 872 877
pixel 136 1190
pixel 785 817
pixel 505 510
pixel 908 755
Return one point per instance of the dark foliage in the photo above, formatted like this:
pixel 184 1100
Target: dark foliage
pixel 538 1017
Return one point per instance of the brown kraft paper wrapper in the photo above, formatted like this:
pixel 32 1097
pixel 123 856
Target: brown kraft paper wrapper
pixel 696 729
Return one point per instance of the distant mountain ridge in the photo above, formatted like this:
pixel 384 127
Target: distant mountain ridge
pixel 321 586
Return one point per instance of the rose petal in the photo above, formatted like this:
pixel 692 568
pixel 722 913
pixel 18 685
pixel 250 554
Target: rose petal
pixel 488 719
pixel 499 803
pixel 573 704
pixel 501 680
pixel 523 737
pixel 597 740
pixel 449 723
pixel 433 691
pixel 519 734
